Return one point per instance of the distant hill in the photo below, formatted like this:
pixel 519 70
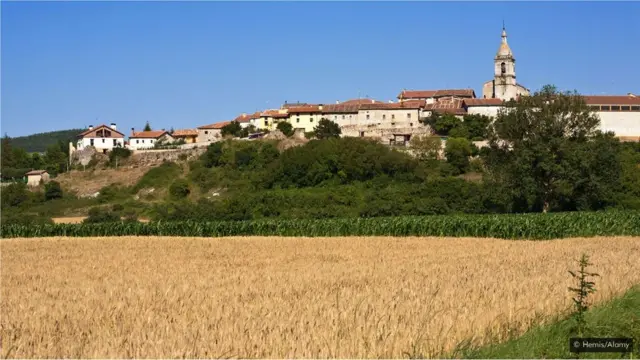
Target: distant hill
pixel 39 142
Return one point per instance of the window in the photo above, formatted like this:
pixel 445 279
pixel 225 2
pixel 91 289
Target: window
pixel 310 120
pixel 384 117
pixel 91 142
pixel 635 108
pixel 103 141
pixel 503 68
pixel 594 107
pixel 393 123
pixel 605 108
pixel 335 117
pixel 367 116
pixel 625 108
pixel 151 141
pixel 137 141
pixel 408 115
pixel 342 117
pixel 298 120
pixel 266 122
pixel 410 124
pixel 393 116
pixel 115 142
pixel 615 108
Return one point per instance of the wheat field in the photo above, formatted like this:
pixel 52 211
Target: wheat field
pixel 161 297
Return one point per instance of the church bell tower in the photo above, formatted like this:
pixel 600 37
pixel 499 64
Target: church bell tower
pixel 505 86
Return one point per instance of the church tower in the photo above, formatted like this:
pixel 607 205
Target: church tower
pixel 504 85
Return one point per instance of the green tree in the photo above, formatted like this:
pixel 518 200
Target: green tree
pixel 14 194
pixel 211 157
pixel 7 152
pixel 36 161
pixel 477 126
pixel 233 128
pixel 55 159
pixel 147 127
pixel 426 147
pixel 52 190
pixel 457 152
pixel 286 128
pixel 546 151
pixel 179 189
pixel 327 129
pixel 442 124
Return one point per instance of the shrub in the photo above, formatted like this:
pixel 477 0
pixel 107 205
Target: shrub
pixel 159 177
pixel 179 189
pixel 286 128
pixel 14 194
pixel 100 215
pixel 118 154
pixel 327 129
pixel 52 190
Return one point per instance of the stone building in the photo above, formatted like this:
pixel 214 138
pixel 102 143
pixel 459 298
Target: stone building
pixel 504 85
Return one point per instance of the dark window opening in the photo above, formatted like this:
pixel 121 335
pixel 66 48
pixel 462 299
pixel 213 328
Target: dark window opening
pixel 635 108
pixel 625 108
pixel 503 68
pixel 605 108
pixel 615 108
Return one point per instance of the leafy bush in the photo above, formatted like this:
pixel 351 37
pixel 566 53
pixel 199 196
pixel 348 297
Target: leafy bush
pixel 159 177
pixel 101 215
pixel 24 219
pixel 14 194
pixel 327 129
pixel 179 189
pixel 52 190
pixel 118 154
pixel 286 128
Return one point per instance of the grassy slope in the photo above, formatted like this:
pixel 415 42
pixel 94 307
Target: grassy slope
pixel 617 318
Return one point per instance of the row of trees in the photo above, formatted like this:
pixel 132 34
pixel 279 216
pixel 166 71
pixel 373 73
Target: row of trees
pixel 324 130
pixel 16 161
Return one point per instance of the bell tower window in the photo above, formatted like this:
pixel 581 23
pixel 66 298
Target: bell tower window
pixel 503 68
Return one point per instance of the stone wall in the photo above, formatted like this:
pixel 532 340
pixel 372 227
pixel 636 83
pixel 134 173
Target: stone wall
pixel 383 134
pixel 152 157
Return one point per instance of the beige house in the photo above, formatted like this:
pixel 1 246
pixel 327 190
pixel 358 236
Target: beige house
pixel 189 136
pixel 34 177
pixel 305 117
pixel 269 119
pixel 211 132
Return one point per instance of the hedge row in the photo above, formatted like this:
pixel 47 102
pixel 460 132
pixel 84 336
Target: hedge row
pixel 511 226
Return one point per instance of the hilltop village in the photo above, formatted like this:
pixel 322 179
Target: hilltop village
pixel 388 122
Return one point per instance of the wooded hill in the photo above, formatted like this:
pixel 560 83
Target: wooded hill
pixel 39 142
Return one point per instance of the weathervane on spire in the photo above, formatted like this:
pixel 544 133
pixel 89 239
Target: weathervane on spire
pixel 502 24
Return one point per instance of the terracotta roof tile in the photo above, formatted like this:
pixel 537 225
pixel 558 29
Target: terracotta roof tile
pixel 612 99
pixel 218 125
pixel 148 134
pixel 305 109
pixel 360 102
pixel 421 94
pixel 96 128
pixel 185 132
pixel 483 102
pixel 340 108
pixel 409 104
pixel 36 172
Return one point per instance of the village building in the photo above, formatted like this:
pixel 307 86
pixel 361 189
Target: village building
pixel 140 140
pixel 245 120
pixel 35 177
pixel 211 132
pixel 433 96
pixel 305 117
pixel 103 138
pixel 189 136
pixel 269 118
pixel 345 113
pixel 504 85
pixel 620 114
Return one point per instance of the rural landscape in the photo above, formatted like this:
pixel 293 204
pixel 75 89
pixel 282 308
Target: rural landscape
pixel 499 226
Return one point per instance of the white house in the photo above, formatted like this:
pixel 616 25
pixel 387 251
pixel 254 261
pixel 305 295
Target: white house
pixel 103 138
pixel 620 114
pixel 147 139
pixel 488 107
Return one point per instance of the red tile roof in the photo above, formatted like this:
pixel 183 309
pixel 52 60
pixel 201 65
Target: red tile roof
pixel 36 172
pixel 148 134
pixel 409 104
pixel 243 118
pixel 96 128
pixel 447 105
pixel 340 109
pixel 276 114
pixel 483 102
pixel 421 94
pixel 305 109
pixel 297 104
pixel 218 125
pixel 360 102
pixel 612 99
pixel 185 132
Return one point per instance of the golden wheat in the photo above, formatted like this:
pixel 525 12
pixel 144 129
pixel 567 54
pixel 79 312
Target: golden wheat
pixel 352 297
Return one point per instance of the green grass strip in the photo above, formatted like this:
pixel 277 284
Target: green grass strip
pixel 617 318
pixel 507 226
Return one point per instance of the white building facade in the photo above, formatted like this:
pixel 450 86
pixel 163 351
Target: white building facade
pixel 103 138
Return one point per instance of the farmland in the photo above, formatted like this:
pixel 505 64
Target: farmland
pixel 288 297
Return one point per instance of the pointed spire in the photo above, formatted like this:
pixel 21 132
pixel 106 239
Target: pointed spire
pixel 504 49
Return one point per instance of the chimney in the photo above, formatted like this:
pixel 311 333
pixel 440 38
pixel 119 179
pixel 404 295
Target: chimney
pixel 631 94
pixel 90 127
pixel 373 101
pixel 337 101
pixel 390 101
pixel 244 114
pixel 113 126
pixel 133 131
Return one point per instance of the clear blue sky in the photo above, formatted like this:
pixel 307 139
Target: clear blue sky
pixel 185 64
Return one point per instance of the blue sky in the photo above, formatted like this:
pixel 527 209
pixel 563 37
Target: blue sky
pixel 185 64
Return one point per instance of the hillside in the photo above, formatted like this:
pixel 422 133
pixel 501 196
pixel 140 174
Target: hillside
pixel 39 142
